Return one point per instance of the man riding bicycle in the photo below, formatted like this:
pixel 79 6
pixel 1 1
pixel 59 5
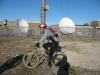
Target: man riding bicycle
pixel 48 34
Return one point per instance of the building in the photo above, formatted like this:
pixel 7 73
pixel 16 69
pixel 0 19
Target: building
pixel 95 24
pixel 13 24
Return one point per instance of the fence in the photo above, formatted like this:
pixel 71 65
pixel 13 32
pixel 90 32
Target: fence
pixel 35 32
pixel 16 32
pixel 88 32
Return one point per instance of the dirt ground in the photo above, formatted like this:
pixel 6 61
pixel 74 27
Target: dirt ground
pixel 82 54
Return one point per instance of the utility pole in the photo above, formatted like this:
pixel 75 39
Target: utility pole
pixel 44 8
pixel 43 11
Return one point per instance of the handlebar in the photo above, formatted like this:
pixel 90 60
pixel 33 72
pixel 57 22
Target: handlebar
pixel 37 49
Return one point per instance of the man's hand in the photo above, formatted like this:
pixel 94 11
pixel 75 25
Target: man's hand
pixel 37 45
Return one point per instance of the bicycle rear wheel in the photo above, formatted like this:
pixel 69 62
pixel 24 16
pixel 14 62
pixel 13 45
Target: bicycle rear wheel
pixel 30 60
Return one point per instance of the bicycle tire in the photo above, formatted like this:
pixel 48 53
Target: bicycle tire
pixel 28 60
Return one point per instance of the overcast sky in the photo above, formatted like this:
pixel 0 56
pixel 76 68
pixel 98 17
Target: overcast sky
pixel 80 11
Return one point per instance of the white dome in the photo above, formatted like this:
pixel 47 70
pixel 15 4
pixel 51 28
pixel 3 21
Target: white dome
pixel 22 26
pixel 66 25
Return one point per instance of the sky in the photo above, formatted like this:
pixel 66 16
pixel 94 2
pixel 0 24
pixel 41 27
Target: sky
pixel 79 11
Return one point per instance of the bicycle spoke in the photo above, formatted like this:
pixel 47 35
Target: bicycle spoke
pixel 29 63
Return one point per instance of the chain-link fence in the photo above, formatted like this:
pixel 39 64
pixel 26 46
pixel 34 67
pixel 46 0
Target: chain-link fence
pixel 88 32
pixel 35 32
pixel 16 32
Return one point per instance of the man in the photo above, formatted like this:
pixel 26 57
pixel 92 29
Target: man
pixel 52 42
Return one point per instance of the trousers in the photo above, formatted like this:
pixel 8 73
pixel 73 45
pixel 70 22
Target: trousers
pixel 49 47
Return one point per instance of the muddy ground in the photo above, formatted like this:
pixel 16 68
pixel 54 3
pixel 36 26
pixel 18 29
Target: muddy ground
pixel 83 56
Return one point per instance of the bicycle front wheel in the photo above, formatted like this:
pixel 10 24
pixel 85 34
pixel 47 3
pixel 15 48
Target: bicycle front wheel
pixel 30 60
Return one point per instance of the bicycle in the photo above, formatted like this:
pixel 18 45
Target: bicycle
pixel 34 58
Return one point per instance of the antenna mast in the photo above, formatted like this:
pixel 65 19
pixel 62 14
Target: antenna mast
pixel 43 11
pixel 44 8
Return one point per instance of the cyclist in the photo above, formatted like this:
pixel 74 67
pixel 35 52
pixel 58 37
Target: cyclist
pixel 50 46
